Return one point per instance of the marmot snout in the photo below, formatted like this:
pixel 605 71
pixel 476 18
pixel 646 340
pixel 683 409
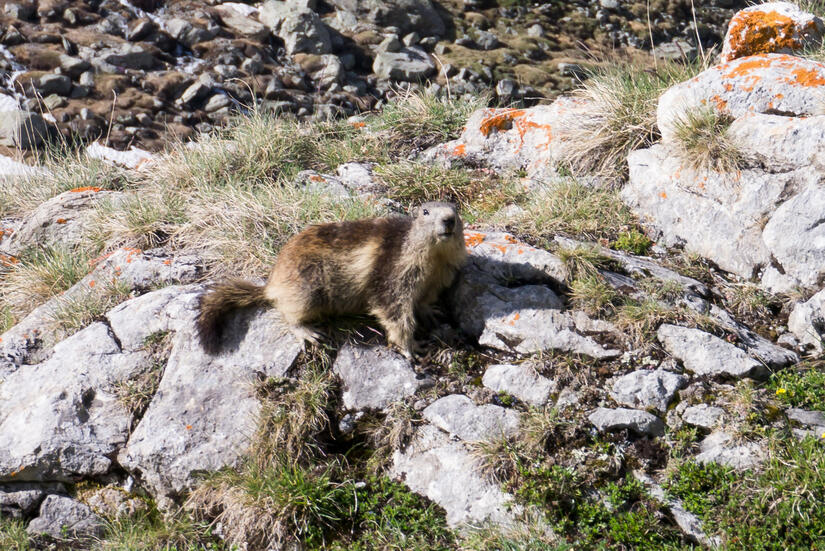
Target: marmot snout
pixel 393 268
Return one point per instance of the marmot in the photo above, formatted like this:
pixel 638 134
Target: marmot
pixel 393 268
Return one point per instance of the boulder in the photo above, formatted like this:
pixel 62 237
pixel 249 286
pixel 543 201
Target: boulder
pixel 762 83
pixel 298 26
pixel 772 27
pixel 205 408
pixel 505 258
pixel 516 139
pixel 807 323
pixel 62 517
pixel 407 15
pixel 445 471
pixel 410 64
pixel 125 56
pixel 647 389
pixel 23 499
pixel 62 221
pixel 62 419
pixel 375 377
pixel 705 354
pixel 640 422
pixel 521 381
pixel 456 414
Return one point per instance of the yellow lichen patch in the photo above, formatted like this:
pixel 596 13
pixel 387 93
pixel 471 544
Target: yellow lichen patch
pixel 501 119
pixel 758 32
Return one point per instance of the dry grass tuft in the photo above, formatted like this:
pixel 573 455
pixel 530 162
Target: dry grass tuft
pixel 390 433
pixel 74 313
pixel 621 117
pixel 703 142
pixel 592 294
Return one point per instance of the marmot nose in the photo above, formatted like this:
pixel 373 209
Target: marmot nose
pixel 449 222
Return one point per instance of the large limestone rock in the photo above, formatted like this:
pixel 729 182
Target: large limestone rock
pixel 503 257
pixel 763 83
pixel 205 408
pixel 516 138
pixel 706 354
pixel 773 27
pixel 62 419
pixel 408 15
pixel 807 323
pixel 375 377
pixel 64 220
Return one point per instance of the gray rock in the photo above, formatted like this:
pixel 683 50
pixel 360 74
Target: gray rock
pixel 458 415
pixel 704 354
pixel 218 101
pixel 62 419
pixel 23 499
pixel 22 129
pixel 188 34
pixel 73 66
pixel 640 422
pixel 128 56
pixel 807 323
pixel 535 30
pixel 196 92
pixel 486 40
pixel 407 15
pixel 53 84
pixel 718 447
pixel 506 259
pixel 446 472
pixel 358 178
pixel 241 23
pixel 409 64
pixel 62 516
pixel 62 221
pixel 375 377
pixel 390 44
pixel 300 28
pixel 205 407
pixel 19 11
pixel 758 347
pixel 522 381
pixel 703 415
pixel 806 417
pixel 647 389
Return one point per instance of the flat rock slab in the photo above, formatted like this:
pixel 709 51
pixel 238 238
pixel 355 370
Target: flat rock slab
pixel 719 447
pixel 506 259
pixel 375 377
pixel 647 389
pixel 773 27
pixel 458 415
pixel 446 472
pixel 522 381
pixel 640 422
pixel 62 516
pixel 705 354
pixel 205 408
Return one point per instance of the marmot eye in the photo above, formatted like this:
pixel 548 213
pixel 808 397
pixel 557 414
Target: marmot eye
pixel 426 212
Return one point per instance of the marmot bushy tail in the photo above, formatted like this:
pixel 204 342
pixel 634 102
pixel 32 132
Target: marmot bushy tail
pixel 220 300
pixel 393 268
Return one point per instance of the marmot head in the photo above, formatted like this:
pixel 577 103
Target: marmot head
pixel 438 223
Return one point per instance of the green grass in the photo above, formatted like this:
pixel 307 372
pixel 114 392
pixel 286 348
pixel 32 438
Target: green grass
pixel 13 536
pixel 74 313
pixel 780 506
pixel 592 294
pixel 153 531
pixel 632 241
pixel 802 385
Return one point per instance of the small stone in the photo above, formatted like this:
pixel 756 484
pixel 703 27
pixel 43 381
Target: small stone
pixel 216 102
pixel 390 44
pixel 640 422
pixel 62 516
pixel 458 415
pixel 487 40
pixel 703 415
pixel 705 354
pixel 535 31
pixel 411 39
pixel 647 389
pixel 717 448
pixel 522 381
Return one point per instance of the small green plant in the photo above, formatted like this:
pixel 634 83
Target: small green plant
pixel 704 142
pixel 592 294
pixel 802 385
pixel 633 241
pixel 13 536
pixel 701 487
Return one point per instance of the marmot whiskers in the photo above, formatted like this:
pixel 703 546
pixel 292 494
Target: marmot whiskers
pixel 393 268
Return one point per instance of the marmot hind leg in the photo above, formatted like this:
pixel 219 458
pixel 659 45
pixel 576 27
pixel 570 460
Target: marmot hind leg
pixel 400 327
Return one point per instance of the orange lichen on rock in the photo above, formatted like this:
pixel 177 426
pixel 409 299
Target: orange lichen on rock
pixel 358 124
pixel 8 260
pixel 85 188
pixel 759 32
pixel 501 119
pixel 460 150
pixel 524 125
pixel 61 220
pixel 516 317
pixel 473 239
pixel 807 77
pixel 721 104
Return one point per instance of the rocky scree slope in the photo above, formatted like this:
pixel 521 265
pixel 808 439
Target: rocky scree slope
pixel 146 72
pixel 583 385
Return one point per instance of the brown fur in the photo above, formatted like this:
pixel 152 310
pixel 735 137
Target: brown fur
pixel 393 268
